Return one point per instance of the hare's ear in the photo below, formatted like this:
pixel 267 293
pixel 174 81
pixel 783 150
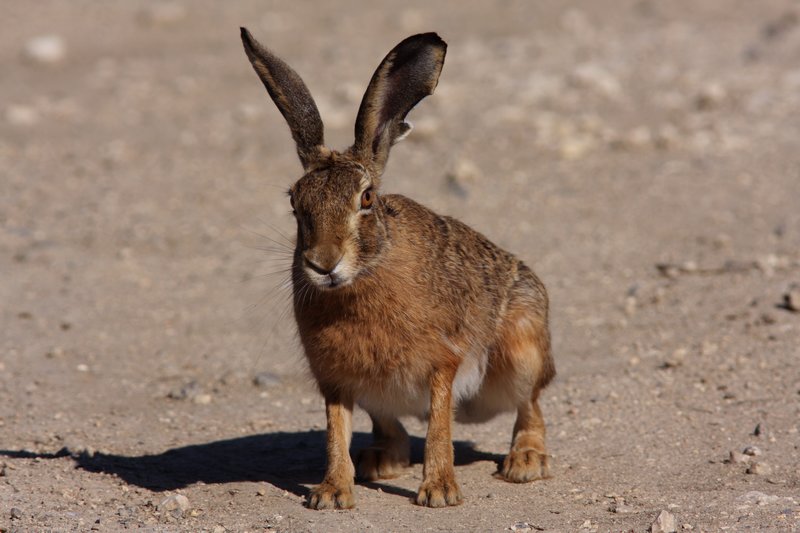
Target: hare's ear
pixel 406 75
pixel 291 96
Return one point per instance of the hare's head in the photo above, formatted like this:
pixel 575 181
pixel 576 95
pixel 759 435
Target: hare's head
pixel 340 217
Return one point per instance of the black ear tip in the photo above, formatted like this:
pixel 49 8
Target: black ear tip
pixel 431 38
pixel 246 37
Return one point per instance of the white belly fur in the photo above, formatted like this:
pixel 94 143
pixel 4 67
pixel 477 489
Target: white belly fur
pixel 403 398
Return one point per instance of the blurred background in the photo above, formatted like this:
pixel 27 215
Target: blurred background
pixel 640 156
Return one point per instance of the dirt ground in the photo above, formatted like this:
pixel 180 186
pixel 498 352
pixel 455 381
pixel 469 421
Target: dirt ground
pixel 643 157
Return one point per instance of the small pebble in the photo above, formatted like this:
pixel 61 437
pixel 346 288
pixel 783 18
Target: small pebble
pixel 664 523
pixel 576 147
pixel 46 49
pixel 759 468
pixel 668 270
pixel 630 305
pixel 738 458
pixel 266 380
pixel 185 391
pixel 174 502
pixel 22 115
pixel 16 514
pixel 791 299
pixel 766 319
pixel 76 450
pixel 752 451
pixel 711 96
pixel 709 348
pixel 676 360
pixel 218 529
pixel 759 498
pixel 202 399
pixel 595 77
pixel 666 137
pixel 55 353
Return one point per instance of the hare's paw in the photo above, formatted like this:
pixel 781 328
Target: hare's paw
pixel 521 466
pixel 439 492
pixel 328 496
pixel 382 463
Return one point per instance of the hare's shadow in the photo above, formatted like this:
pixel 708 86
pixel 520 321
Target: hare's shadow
pixel 288 460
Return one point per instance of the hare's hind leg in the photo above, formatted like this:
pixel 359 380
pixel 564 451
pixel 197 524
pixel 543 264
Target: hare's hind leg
pixel 525 360
pixel 527 460
pixel 388 455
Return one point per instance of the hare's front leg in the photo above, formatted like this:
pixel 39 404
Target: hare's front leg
pixel 388 455
pixel 336 490
pixel 439 487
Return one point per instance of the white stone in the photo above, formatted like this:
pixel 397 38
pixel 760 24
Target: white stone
pixel 597 78
pixel 738 458
pixel 752 451
pixel 176 501
pixel 759 468
pixel 46 49
pixel 664 523
pixel 22 115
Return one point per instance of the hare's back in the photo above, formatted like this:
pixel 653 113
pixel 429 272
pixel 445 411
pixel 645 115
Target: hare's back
pixel 452 251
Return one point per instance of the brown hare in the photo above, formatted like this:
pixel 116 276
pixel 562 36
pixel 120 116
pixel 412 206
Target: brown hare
pixel 400 310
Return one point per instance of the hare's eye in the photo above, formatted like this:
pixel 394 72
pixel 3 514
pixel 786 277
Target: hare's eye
pixel 367 197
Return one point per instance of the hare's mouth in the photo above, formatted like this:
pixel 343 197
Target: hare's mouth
pixel 332 280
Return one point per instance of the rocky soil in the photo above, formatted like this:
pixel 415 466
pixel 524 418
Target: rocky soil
pixel 641 156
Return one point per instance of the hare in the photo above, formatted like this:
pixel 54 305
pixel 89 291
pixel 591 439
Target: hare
pixel 400 310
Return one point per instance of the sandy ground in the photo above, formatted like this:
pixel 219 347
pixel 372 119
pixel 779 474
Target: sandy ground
pixel 641 156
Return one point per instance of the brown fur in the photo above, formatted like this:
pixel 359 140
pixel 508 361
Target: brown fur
pixel 401 310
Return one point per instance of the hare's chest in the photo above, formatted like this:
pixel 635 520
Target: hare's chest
pixel 363 352
pixel 384 380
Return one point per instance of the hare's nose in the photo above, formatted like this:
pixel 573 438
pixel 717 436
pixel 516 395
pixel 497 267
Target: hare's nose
pixel 322 260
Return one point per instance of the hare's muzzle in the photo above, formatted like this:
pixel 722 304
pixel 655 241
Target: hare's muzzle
pixel 322 265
